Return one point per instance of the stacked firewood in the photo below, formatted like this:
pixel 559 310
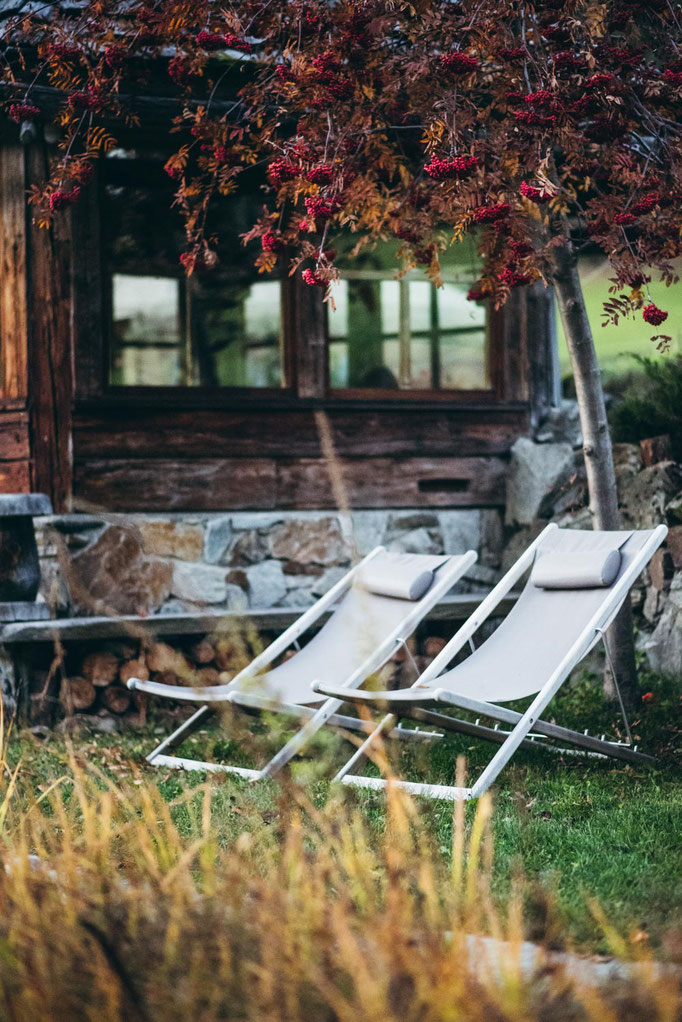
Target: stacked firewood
pixel 98 679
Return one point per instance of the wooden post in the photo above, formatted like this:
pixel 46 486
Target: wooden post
pixel 49 345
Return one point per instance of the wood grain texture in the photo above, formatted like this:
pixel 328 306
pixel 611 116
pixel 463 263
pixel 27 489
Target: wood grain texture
pixel 13 295
pixel 50 355
pixel 15 477
pixel 208 484
pixel 101 432
pixel 14 443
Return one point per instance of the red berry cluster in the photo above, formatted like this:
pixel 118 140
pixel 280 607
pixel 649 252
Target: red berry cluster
pixel 514 278
pixel 114 57
pixel 458 63
pixel 672 77
pixel 543 98
pixel 646 204
pixel 319 208
pixel 180 71
pixel 535 120
pixel 535 194
pixel 569 61
pixel 312 279
pixel 653 315
pixel 490 214
pixel 271 242
pixel 458 166
pixel 600 80
pixel 284 73
pixel 280 171
pixel 329 73
pixel 619 56
pixel 520 248
pixel 61 198
pixel 210 40
pixel 624 219
pixel 63 51
pixel 90 100
pixel 476 294
pixel 23 112
pixel 321 175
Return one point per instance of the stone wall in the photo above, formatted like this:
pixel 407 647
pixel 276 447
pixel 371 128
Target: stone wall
pixel 186 563
pixel 546 482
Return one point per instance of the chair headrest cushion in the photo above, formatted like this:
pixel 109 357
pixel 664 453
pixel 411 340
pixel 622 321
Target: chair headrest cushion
pixel 403 576
pixel 587 569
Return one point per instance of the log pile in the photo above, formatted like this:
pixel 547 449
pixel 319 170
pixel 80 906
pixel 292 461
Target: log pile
pixel 97 678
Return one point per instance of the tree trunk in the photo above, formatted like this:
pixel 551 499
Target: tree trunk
pixel 601 477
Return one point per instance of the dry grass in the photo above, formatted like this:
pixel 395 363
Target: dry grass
pixel 110 910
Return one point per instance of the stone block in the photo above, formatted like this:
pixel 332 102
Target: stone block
pixel 250 548
pixel 406 521
pixel 627 462
pixel 673 509
pixel 167 538
pixel 535 471
pixel 419 541
pixel 266 584
pixel 461 530
pixel 644 497
pixel 369 530
pixel 655 449
pixel 329 579
pixel 255 520
pixel 674 544
pixel 114 574
pixel 661 569
pixel 653 603
pixel 199 583
pixel 309 542
pixel 663 647
pixel 561 425
pixel 298 598
pixel 217 539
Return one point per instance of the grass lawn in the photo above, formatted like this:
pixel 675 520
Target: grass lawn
pixel 575 829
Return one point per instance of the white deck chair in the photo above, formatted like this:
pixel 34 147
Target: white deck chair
pixel 359 637
pixel 563 611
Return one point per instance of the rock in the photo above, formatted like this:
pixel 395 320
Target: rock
pixel 673 509
pixel 201 583
pixel 663 647
pixel 369 530
pixel 627 462
pixel 674 544
pixel 535 470
pixel 236 598
pixel 406 521
pixel 237 577
pixel 309 542
pixel 570 494
pixel 580 519
pixel 329 579
pixel 255 520
pixel 492 538
pixel 562 425
pixel 217 539
pixel 644 497
pixel 461 530
pixel 298 598
pixel 661 569
pixel 419 541
pixel 85 721
pixel 8 686
pixel 675 594
pixel 653 603
pixel 250 548
pixel 114 574
pixel 166 538
pixel 482 574
pixel 266 584
pixel 293 569
pixel 655 449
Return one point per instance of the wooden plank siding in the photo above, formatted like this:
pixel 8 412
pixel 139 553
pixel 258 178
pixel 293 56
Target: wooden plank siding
pixel 13 294
pixel 49 345
pixel 148 459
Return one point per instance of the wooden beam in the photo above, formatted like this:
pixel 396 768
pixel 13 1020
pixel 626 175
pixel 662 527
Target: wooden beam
pixel 15 477
pixel 50 355
pixel 209 484
pixel 13 297
pixel 14 443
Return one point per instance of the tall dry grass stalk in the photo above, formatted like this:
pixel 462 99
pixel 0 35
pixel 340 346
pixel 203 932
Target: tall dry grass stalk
pixel 116 905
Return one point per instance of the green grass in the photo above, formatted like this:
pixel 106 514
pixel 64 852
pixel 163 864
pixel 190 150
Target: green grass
pixel 617 344
pixel 576 829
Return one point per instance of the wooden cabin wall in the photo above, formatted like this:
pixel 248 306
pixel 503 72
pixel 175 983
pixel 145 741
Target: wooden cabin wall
pixel 15 460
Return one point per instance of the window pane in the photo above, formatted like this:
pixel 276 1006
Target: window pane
pixel 405 334
pixel 221 328
pixel 146 340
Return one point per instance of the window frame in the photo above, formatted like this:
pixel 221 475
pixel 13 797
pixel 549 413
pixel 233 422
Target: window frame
pixel 305 367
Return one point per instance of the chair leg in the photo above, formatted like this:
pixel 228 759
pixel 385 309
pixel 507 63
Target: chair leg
pixel 178 736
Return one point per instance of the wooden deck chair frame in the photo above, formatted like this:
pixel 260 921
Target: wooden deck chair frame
pixel 210 699
pixel 528 727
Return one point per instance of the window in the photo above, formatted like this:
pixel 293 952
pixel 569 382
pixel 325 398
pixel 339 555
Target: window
pixel 219 329
pixel 406 334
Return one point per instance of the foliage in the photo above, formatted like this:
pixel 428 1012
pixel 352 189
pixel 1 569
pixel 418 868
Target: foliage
pixel 119 903
pixel 652 404
pixel 418 121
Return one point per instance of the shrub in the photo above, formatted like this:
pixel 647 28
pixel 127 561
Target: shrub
pixel 651 404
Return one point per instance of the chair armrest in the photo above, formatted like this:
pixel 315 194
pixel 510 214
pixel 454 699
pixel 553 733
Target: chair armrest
pixel 386 698
pixel 183 694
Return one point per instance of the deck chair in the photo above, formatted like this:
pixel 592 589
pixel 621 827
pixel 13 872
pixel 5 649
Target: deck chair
pixel 578 583
pixel 375 607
